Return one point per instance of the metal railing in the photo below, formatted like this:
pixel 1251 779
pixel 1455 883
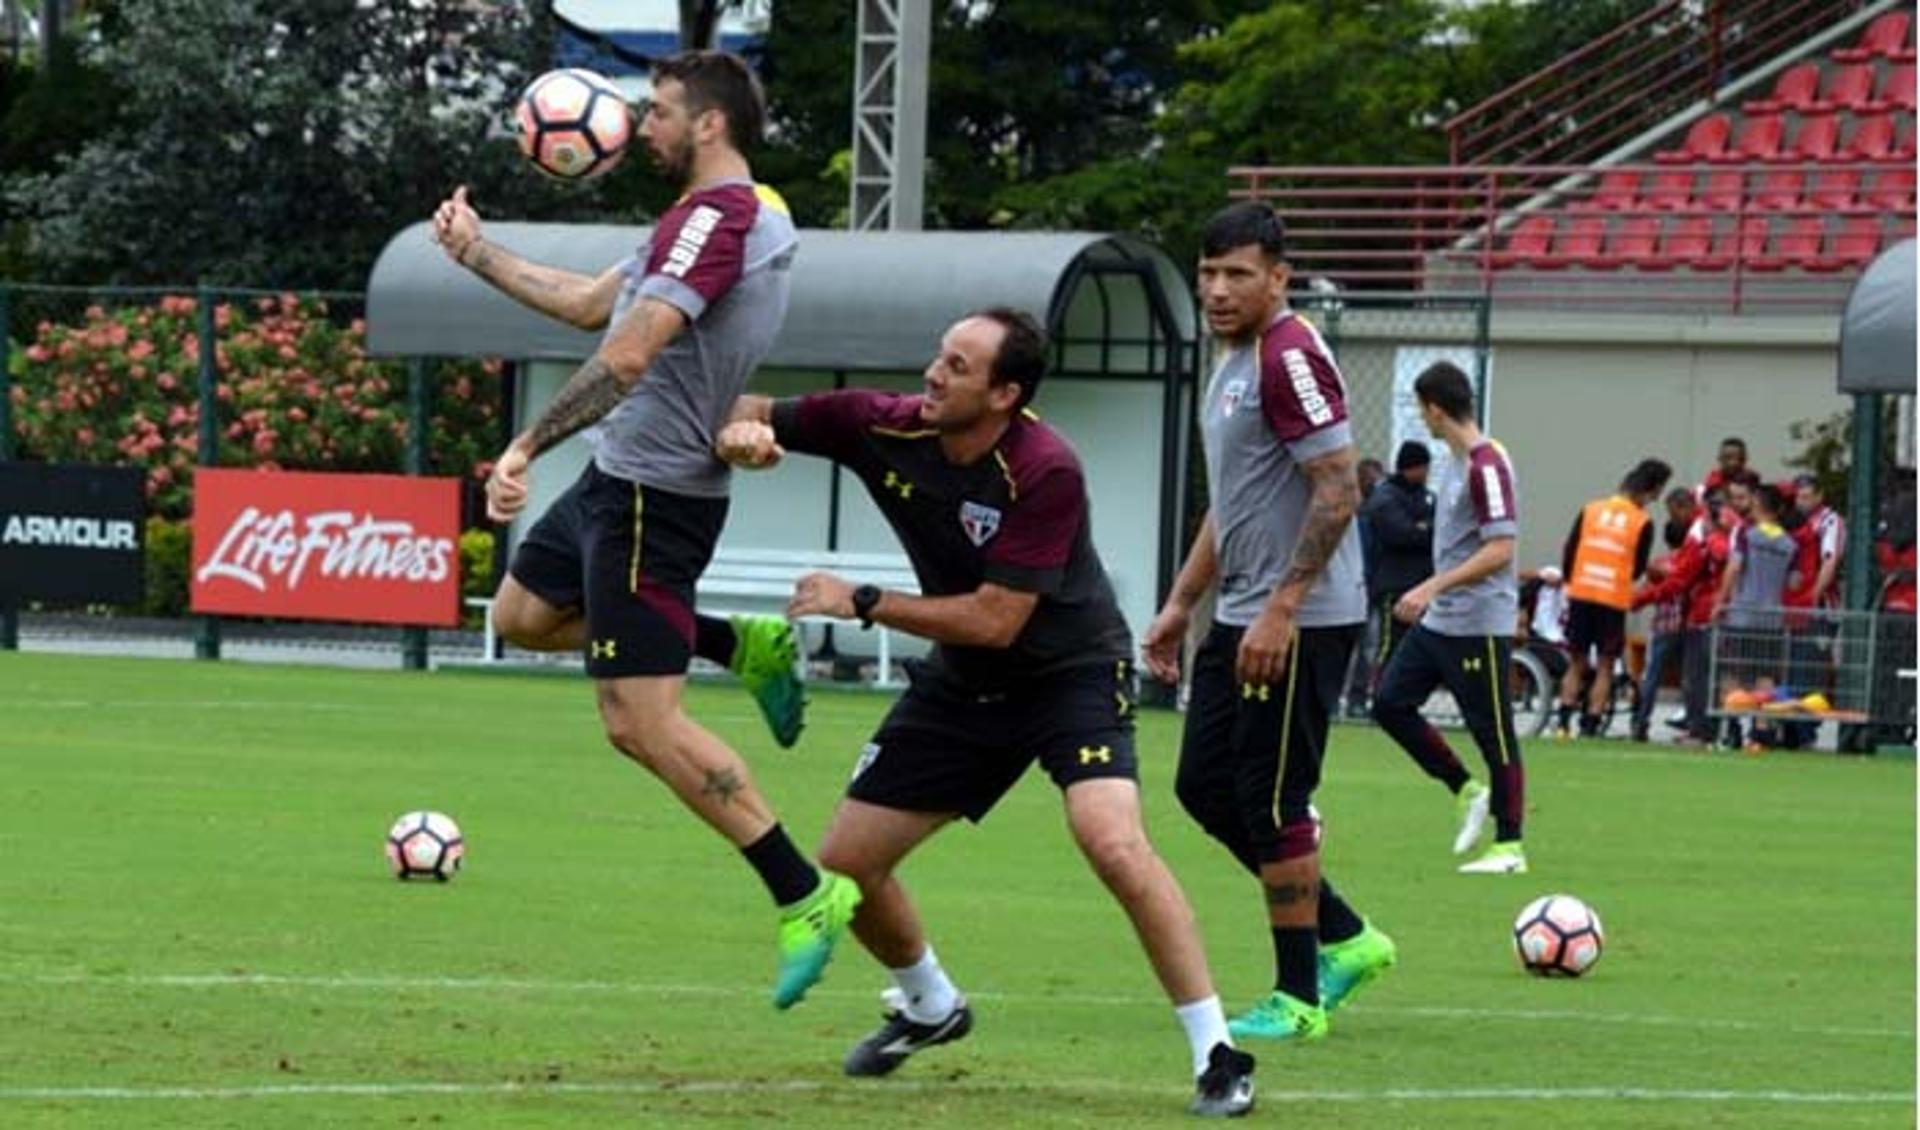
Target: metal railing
pixel 1716 236
pixel 1632 78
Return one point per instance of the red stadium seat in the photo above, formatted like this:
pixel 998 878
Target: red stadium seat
pixel 1669 191
pixel 1903 142
pixel 1631 243
pixel 1834 189
pixel 1793 90
pixel 1780 190
pixel 1526 243
pixel 1758 139
pixel 1884 37
pixel 1577 242
pixel 1815 140
pixel 1744 241
pixel 1706 140
pixel 1795 245
pixel 1872 139
pixel 1896 93
pixel 1724 189
pixel 1615 192
pixel 1684 245
pixel 1848 88
pixel 1852 244
pixel 1891 191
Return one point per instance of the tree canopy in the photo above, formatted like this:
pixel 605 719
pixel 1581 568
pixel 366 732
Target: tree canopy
pixel 282 142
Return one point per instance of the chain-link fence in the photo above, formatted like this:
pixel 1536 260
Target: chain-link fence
pixel 172 380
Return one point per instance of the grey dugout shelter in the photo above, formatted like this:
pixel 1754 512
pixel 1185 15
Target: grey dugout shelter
pixel 1877 344
pixel 868 308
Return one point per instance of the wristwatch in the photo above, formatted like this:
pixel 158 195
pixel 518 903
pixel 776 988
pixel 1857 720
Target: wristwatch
pixel 864 598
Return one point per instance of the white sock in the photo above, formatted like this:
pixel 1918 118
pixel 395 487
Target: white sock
pixel 931 997
pixel 1206 1025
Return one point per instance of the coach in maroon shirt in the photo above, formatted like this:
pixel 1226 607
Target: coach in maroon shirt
pixel 1031 663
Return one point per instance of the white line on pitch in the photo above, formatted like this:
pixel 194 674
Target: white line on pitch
pixel 509 984
pixel 1081 1086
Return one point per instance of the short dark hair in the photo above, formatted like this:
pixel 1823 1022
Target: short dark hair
pixel 1735 441
pixel 1768 498
pixel 1647 477
pixel 720 80
pixel 1238 225
pixel 1806 480
pixel 1022 356
pixel 1444 386
pixel 1678 495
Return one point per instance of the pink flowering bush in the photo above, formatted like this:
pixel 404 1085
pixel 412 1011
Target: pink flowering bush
pixel 296 391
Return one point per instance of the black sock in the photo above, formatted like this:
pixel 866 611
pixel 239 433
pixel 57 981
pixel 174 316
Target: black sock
pixel 787 874
pixel 1338 922
pixel 1565 718
pixel 1296 965
pixel 714 640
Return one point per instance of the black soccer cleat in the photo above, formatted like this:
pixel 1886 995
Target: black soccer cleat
pixel 901 1036
pixel 1225 1088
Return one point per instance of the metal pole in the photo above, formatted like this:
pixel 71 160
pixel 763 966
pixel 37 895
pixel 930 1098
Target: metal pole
pixel 1862 489
pixel 9 613
pixel 413 639
pixel 206 638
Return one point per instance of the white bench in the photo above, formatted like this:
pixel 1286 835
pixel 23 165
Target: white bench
pixel 767 576
pixel 762 580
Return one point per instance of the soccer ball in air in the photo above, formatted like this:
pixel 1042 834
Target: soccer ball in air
pixel 1557 936
pixel 425 845
pixel 574 124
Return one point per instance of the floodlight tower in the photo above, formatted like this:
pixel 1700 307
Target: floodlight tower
pixel 891 42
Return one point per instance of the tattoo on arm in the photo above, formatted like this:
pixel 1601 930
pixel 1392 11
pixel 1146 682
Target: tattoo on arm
pixel 1336 496
pixel 592 392
pixel 1288 894
pixel 722 783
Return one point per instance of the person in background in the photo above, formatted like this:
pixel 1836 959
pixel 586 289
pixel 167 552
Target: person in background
pixel 1359 669
pixel 1693 577
pixel 1759 564
pixel 1667 634
pixel 1398 519
pixel 1606 553
pixel 1731 468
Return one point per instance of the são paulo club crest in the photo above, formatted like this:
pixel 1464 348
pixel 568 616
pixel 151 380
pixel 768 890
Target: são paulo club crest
pixel 1231 396
pixel 980 522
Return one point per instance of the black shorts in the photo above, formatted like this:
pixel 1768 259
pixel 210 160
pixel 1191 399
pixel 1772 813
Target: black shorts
pixel 949 747
pixel 1596 628
pixel 1475 671
pixel 1262 745
pixel 629 555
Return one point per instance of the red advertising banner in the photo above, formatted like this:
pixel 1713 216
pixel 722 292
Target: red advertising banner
pixel 292 545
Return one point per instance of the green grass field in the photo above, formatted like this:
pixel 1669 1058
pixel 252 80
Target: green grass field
pixel 197 929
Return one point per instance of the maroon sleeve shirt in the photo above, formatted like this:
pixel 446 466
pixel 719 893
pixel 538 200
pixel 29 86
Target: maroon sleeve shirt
pixel 1017 518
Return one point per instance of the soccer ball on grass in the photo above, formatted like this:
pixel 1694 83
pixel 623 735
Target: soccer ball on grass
pixel 1557 936
pixel 425 845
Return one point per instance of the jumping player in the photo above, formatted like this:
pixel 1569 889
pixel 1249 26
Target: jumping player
pixel 610 568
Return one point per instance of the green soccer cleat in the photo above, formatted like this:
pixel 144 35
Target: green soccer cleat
pixel 1280 1017
pixel 1349 966
pixel 764 655
pixel 1470 810
pixel 1505 858
pixel 808 930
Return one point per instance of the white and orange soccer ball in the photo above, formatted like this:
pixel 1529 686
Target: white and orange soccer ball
pixel 574 124
pixel 425 845
pixel 1558 936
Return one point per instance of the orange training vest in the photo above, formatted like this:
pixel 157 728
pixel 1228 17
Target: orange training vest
pixel 1603 561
